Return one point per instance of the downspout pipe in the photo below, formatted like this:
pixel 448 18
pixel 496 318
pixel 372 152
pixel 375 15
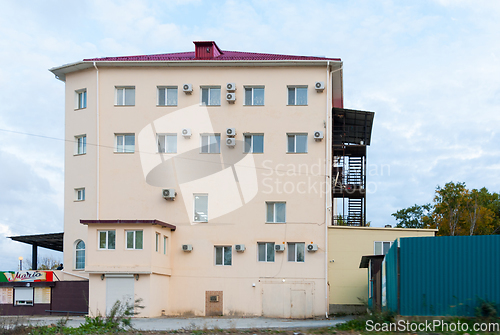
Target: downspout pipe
pixel 327 173
pixel 97 140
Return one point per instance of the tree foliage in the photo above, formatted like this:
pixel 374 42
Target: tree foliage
pixel 455 210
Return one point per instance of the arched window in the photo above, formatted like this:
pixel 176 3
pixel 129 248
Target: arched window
pixel 80 255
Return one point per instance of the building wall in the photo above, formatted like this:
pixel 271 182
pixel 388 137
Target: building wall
pixel 238 185
pixel 346 245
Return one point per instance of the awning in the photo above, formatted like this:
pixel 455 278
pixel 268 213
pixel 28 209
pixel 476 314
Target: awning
pixel 365 260
pixel 52 241
pixel 136 221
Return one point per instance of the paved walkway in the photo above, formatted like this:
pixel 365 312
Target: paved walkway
pixel 167 323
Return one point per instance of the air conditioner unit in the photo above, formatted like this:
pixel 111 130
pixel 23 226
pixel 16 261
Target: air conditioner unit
pixel 231 97
pixel 230 142
pixel 187 88
pixel 187 247
pixel 231 132
pixel 319 86
pixel 231 87
pixel 186 132
pixel 279 247
pixel 312 247
pixel 169 193
pixel 318 135
pixel 239 247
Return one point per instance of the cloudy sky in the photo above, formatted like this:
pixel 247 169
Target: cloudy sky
pixel 429 69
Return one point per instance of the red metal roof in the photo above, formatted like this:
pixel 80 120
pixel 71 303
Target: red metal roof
pixel 224 56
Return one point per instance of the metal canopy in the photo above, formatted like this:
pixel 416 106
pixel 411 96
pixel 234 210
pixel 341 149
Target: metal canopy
pixel 352 126
pixel 52 241
pixel 365 260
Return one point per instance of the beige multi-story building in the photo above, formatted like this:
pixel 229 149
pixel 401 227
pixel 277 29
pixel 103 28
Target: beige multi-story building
pixel 201 182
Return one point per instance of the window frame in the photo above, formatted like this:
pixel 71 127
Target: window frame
pixel 77 252
pixel 27 302
pixel 166 89
pixel 295 87
pixel 293 246
pixel 157 242
pixel 251 149
pixel 123 101
pixel 266 248
pixel 274 203
pixel 288 135
pixel 194 207
pixel 165 143
pixel 252 88
pixel 81 103
pixel 210 88
pixel 134 239
pixel 223 249
pixel 208 146
pixel 165 245
pixel 124 135
pixel 381 247
pixel 106 240
pixel 83 139
pixel 80 194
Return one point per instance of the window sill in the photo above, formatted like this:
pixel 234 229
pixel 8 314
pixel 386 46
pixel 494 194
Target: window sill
pixel 275 222
pixel 167 153
pixel 253 153
pixel 123 152
pixel 124 105
pixel 166 105
pixel 297 153
pixel 253 105
pixel 78 109
pixel 200 221
pixel 203 105
pixel 78 270
pixel 298 105
pixel 105 249
pixel 80 154
pixel 79 200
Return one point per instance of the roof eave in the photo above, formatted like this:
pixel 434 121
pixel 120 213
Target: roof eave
pixel 61 71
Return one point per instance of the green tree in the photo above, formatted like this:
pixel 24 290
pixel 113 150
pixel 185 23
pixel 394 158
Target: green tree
pixel 455 210
pixel 414 217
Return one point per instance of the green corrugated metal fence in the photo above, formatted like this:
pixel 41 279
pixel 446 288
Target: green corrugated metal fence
pixel 444 275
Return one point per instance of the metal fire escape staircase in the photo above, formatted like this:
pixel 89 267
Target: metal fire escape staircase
pixel 351 136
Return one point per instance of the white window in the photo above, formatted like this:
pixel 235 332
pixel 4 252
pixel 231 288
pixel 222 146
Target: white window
pixel 125 96
pixel 134 239
pixel 265 251
pixel 210 143
pixel 254 96
pixel 381 247
pixel 167 143
pixel 157 242
pixel 23 296
pixel 296 252
pixel 210 96
pixel 254 143
pixel 81 99
pixel 165 244
pixel 297 96
pixel 167 96
pixel 223 255
pixel 79 194
pixel 81 144
pixel 107 239
pixel 80 255
pixel 125 142
pixel 276 212
pixel 201 208
pixel 297 143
